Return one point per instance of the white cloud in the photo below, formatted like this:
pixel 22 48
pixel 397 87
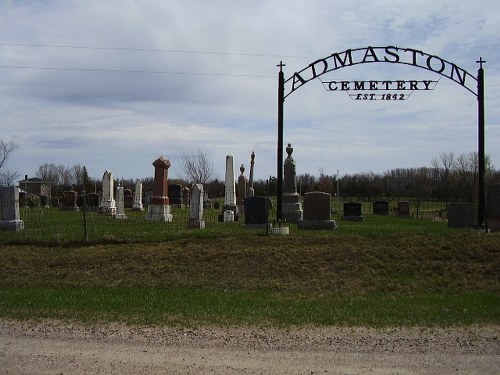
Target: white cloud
pixel 205 92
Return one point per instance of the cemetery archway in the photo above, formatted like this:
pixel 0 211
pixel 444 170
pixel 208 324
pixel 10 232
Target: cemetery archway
pixel 390 55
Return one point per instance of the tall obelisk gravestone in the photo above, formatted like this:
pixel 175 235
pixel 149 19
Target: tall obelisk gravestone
pixel 230 210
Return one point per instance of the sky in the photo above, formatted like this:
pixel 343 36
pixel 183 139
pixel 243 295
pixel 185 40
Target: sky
pixel 115 84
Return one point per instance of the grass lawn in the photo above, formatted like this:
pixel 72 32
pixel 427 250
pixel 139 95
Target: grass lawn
pixel 385 278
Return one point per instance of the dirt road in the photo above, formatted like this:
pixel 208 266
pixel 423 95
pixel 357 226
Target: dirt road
pixel 56 348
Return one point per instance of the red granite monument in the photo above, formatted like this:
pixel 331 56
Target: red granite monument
pixel 159 209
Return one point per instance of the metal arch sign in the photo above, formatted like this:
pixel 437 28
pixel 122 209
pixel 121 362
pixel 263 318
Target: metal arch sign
pixel 392 55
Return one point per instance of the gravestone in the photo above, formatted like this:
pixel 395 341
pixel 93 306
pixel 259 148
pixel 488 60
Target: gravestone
pixel 159 209
pixel 10 217
pixel 493 208
pixel 352 211
pixel 175 196
pixel 291 207
pixel 186 196
pixel 250 189
pixel 380 207
pixel 242 189
pixel 196 208
pixel 147 197
pixel 137 206
pixel 404 209
pixel 108 204
pixel 128 198
pixel 461 215
pixel 256 211
pixel 69 201
pixel 317 211
pixel 229 193
pixel 120 203
pixel 92 202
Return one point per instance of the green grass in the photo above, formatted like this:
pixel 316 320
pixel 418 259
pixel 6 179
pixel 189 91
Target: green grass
pixel 402 279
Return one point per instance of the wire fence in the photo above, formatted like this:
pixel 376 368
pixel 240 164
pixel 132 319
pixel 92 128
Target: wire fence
pixel 65 225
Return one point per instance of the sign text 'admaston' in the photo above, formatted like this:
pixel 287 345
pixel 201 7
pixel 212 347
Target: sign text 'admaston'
pixel 389 54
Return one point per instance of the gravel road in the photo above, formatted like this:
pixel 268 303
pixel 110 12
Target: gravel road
pixel 58 348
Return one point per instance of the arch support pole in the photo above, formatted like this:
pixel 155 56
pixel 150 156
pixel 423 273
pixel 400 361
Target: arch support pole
pixel 481 199
pixel 281 102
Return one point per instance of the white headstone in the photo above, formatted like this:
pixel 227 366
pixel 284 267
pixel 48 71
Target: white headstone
pixel 9 209
pixel 137 206
pixel 108 204
pixel 120 208
pixel 229 185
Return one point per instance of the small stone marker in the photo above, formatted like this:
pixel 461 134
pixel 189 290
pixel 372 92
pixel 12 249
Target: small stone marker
pixel 404 209
pixel 175 196
pixel 10 218
pixel 352 211
pixel 69 201
pixel 137 206
pixel 381 208
pixel 256 211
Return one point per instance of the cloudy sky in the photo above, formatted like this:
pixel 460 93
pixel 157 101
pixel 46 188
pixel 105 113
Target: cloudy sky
pixel 114 84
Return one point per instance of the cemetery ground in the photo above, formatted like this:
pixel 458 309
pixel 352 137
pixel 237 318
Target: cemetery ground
pixel 389 295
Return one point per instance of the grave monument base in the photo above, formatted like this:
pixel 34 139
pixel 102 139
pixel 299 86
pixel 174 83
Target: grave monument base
pixel 11 225
pixel 196 224
pixel 280 230
pixel 159 213
pixel 317 224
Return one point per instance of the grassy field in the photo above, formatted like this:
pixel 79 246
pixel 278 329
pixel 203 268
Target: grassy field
pixel 412 277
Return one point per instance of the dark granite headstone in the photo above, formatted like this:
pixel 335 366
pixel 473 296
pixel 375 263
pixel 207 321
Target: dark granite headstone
pixel 381 208
pixel 69 201
pixel 404 209
pixel 128 198
pixel 175 195
pixel 352 211
pixel 256 210
pixel 461 215
pixel 317 211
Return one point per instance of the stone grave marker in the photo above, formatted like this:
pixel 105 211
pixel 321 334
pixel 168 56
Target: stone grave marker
pixel 10 217
pixel 404 209
pixel 159 209
pixel 291 206
pixel 461 215
pixel 256 211
pixel 229 193
pixel 108 204
pixel 69 201
pixel 317 211
pixel 137 206
pixel 120 203
pixel 352 211
pixel 196 208
pixel 128 198
pixel 175 196
pixel 381 208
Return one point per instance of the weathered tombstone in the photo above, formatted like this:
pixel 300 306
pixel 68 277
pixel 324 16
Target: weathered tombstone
pixel 69 201
pixel 120 203
pixel 256 211
pixel 493 208
pixel 352 211
pixel 250 189
pixel 196 208
pixel 461 215
pixel 242 189
pixel 92 202
pixel 128 198
pixel 404 209
pixel 108 204
pixel 147 197
pixel 159 209
pixel 291 207
pixel 175 195
pixel 23 201
pixel 317 211
pixel 229 193
pixel 186 196
pixel 10 217
pixel 137 206
pixel 380 207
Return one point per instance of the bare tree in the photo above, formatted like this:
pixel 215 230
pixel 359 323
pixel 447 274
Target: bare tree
pixel 8 176
pixel 197 166
pixel 6 149
pixel 444 164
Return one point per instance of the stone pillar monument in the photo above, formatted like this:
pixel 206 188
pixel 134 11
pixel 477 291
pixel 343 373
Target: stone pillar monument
pixel 230 209
pixel 120 206
pixel 196 208
pixel 242 189
pixel 159 208
pixel 10 218
pixel 137 205
pixel 250 191
pixel 292 208
pixel 107 205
